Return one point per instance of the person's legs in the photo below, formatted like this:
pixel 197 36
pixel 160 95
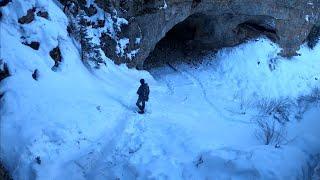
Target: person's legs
pixel 138 104
pixel 143 105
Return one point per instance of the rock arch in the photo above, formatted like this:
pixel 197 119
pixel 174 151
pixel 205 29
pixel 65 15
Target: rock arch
pixel 220 23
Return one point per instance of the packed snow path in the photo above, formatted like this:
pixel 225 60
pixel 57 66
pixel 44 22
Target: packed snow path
pixel 186 79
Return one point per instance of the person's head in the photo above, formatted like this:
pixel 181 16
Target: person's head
pixel 142 81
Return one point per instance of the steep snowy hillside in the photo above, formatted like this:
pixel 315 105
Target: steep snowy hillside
pixel 242 113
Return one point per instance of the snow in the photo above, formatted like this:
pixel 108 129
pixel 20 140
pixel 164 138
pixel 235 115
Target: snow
pixel 307 18
pixel 165 5
pixel 121 46
pixel 199 121
pixel 133 53
pixel 138 40
pixel 120 22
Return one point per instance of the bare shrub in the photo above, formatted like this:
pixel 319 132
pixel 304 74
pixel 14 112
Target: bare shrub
pixel 271 120
pixel 304 102
pixel 276 109
pixel 270 131
pixel 313 97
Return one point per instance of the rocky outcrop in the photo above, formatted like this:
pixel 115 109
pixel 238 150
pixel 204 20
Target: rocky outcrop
pixel 34 45
pixel 314 36
pixel 4 2
pixel 108 45
pixel 28 18
pixel 211 24
pixel 4 70
pixel 43 14
pixel 55 54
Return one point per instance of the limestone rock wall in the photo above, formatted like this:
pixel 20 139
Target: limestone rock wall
pixel 217 23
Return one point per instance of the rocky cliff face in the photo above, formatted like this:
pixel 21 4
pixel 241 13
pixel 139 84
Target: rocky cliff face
pixel 210 24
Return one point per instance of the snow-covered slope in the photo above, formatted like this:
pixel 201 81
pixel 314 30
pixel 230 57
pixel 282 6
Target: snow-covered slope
pixel 200 121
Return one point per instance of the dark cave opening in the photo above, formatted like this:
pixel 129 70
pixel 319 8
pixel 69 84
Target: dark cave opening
pixel 174 47
pixel 198 35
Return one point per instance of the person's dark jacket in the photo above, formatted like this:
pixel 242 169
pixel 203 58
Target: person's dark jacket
pixel 143 92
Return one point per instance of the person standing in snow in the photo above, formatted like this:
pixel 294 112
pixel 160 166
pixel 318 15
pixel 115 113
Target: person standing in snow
pixel 143 93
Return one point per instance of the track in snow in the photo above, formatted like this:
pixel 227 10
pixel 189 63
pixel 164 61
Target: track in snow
pixel 198 84
pixel 105 145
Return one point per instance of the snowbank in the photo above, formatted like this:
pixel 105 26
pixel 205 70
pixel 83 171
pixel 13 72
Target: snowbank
pixel 82 125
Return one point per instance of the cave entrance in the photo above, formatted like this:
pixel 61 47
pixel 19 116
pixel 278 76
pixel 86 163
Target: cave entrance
pixel 201 34
pixel 177 45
